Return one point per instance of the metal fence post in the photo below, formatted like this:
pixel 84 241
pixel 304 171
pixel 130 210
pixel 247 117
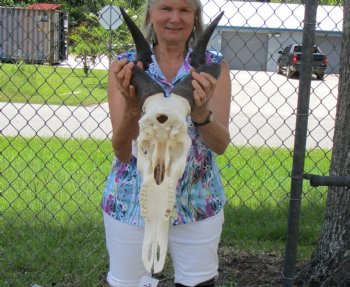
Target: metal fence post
pixel 300 142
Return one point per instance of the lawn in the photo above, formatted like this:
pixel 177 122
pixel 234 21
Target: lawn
pixel 51 229
pixel 38 84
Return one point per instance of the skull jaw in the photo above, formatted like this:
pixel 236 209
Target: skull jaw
pixel 162 152
pixel 155 248
pixel 157 202
pixel 155 242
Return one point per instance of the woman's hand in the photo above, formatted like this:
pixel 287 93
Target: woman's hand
pixel 204 85
pixel 123 72
pixel 124 107
pixel 213 95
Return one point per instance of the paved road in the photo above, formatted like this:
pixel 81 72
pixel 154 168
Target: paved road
pixel 54 120
pixel 262 113
pixel 264 109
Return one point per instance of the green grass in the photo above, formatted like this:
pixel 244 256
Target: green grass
pixel 51 228
pixel 38 84
pixel 257 184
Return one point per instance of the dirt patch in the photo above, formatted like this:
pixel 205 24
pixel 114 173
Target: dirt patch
pixel 249 270
pixel 239 270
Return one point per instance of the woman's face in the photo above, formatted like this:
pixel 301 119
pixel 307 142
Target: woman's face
pixel 172 21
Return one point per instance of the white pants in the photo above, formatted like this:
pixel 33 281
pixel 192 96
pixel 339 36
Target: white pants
pixel 193 248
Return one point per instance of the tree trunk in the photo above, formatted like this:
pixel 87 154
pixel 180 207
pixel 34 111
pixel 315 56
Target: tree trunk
pixel 330 261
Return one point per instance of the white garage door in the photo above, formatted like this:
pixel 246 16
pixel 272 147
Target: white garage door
pixel 331 46
pixel 244 50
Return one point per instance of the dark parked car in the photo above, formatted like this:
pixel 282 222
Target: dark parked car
pixel 289 61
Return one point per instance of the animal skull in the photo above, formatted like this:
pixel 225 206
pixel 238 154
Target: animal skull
pixel 163 144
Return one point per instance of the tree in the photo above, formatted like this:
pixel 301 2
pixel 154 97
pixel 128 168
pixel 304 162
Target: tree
pixel 330 261
pixel 88 40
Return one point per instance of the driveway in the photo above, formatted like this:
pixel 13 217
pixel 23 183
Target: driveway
pixel 263 110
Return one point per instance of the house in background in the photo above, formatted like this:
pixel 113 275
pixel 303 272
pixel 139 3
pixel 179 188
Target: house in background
pixel 251 33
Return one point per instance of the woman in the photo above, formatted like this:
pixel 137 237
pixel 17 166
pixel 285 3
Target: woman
pixel 171 28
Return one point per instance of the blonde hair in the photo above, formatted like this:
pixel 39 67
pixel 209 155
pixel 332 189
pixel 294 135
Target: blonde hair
pixel 150 34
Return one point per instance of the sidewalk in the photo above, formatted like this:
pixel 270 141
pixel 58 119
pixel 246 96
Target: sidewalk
pixel 53 120
pixel 102 63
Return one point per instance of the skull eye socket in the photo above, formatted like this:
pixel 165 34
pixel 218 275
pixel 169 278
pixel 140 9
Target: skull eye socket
pixel 162 118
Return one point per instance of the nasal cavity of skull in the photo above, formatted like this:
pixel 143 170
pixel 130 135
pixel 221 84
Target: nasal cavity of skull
pixel 159 172
pixel 162 118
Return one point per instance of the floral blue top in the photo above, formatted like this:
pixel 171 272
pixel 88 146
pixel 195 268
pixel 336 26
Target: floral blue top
pixel 199 193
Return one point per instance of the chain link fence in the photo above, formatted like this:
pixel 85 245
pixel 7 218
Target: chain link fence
pixel 55 149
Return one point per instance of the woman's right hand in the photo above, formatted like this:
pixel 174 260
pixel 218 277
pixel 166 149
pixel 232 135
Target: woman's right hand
pixel 124 107
pixel 122 71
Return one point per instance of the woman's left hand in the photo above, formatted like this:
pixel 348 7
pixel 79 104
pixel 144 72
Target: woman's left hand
pixel 213 97
pixel 204 85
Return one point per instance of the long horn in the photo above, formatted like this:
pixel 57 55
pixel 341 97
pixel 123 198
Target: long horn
pixel 144 52
pixel 198 54
pixel 184 88
pixel 145 86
